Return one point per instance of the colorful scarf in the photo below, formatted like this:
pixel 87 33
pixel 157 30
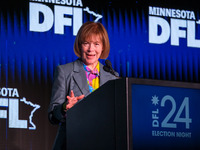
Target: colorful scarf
pixel 92 77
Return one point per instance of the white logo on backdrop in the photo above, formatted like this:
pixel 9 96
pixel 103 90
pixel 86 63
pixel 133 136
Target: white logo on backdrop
pixel 43 18
pixel 10 106
pixel 166 24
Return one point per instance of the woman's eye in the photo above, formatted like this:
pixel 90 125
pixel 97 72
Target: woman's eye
pixel 85 43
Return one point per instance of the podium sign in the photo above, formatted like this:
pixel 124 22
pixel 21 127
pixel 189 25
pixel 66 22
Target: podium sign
pixel 136 114
pixel 165 117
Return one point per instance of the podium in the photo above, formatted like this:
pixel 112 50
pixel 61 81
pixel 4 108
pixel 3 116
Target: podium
pixel 131 114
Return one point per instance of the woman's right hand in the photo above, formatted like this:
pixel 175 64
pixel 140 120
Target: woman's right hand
pixel 72 100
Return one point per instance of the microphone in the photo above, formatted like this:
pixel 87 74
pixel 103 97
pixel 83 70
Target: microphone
pixel 108 68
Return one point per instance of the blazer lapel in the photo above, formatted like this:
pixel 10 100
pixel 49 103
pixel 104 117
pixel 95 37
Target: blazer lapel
pixel 104 76
pixel 80 78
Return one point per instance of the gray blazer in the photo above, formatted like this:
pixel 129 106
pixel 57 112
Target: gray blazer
pixel 69 77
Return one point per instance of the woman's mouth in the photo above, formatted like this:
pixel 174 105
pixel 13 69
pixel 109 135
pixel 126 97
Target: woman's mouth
pixel 90 55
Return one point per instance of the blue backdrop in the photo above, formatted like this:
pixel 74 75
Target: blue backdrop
pixel 31 48
pixel 35 54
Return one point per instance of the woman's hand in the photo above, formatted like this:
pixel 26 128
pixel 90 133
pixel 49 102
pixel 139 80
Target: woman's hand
pixel 72 100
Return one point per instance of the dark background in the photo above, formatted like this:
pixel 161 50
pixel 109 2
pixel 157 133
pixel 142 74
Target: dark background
pixel 28 59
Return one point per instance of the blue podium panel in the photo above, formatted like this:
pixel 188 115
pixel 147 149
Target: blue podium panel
pixel 165 117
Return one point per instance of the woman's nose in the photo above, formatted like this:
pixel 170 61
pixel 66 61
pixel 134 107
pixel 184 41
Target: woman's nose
pixel 91 47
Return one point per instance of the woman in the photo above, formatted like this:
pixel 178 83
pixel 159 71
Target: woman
pixel 74 81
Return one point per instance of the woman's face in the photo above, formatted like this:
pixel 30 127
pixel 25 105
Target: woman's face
pixel 91 50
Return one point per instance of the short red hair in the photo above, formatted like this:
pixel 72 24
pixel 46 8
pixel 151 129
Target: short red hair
pixel 89 29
